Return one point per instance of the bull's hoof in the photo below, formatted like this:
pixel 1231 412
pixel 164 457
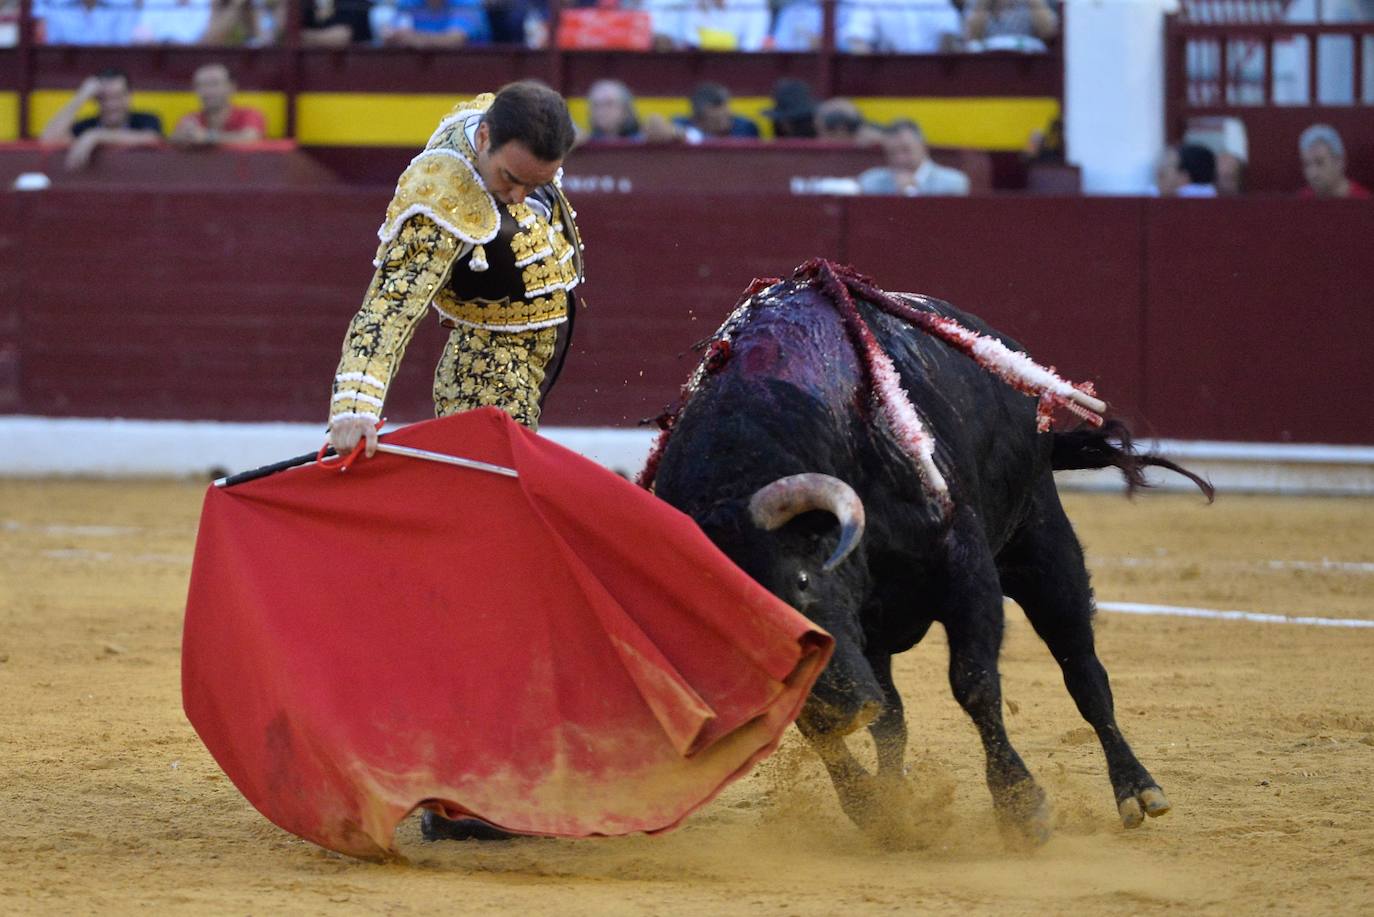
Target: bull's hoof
pixel 1150 801
pixel 886 812
pixel 1024 815
pixel 434 827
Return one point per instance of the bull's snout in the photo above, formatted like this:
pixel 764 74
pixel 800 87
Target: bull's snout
pixel 820 717
pixel 846 697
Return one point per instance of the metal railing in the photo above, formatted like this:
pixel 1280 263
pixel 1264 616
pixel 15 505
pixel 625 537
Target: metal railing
pixel 1218 66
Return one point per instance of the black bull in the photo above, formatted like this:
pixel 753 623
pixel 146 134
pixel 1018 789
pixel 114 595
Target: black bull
pixel 784 391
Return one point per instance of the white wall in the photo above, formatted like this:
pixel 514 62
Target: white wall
pixel 111 448
pixel 1114 91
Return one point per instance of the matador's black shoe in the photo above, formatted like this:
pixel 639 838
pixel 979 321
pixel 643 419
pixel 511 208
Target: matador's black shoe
pixel 435 827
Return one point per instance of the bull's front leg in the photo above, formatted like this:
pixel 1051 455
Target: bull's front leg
pixel 880 804
pixel 854 785
pixel 889 729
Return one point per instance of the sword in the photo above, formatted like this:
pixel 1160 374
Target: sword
pixel 407 451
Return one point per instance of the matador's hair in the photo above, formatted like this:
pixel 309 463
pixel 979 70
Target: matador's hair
pixel 535 115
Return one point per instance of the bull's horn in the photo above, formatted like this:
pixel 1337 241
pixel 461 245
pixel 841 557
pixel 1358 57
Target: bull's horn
pixel 774 505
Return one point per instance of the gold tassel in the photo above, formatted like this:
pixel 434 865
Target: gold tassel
pixel 478 261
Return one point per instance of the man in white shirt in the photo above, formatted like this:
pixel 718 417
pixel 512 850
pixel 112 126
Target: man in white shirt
pixel 173 22
pixel 910 170
pixel 872 26
pixel 87 22
pixel 713 25
pixel 901 27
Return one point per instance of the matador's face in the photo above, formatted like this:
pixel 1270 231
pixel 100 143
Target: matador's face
pixel 511 172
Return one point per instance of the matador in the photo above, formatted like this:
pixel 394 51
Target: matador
pixel 480 231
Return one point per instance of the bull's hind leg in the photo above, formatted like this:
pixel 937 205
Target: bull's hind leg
pixel 971 610
pixel 1043 572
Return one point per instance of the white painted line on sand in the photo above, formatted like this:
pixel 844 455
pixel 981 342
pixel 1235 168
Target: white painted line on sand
pixel 75 531
pixel 1342 566
pixel 1177 611
pixel 1324 565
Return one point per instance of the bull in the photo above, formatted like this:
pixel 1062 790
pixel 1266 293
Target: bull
pixel 864 458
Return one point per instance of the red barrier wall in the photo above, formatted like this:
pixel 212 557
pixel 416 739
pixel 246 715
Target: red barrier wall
pixel 1238 320
pixel 1259 320
pixel 1061 275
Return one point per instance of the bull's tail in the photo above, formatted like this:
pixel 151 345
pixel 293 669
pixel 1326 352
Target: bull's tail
pixel 1111 446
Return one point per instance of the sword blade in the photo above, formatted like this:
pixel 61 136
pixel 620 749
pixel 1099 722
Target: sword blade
pixel 428 456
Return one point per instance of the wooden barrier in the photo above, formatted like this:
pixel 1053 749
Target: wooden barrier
pixel 1242 320
pixel 265 164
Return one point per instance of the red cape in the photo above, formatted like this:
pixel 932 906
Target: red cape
pixel 558 654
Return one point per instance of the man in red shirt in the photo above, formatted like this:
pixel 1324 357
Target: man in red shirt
pixel 219 121
pixel 1323 165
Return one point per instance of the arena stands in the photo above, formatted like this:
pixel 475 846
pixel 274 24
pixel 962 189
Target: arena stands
pixel 1258 60
pixel 676 230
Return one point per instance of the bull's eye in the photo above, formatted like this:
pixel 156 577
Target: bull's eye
pixel 803 581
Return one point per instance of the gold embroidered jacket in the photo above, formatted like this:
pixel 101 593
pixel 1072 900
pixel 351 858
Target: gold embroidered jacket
pixel 447 244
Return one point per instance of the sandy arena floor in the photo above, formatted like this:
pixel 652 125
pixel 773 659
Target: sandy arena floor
pixel 1261 734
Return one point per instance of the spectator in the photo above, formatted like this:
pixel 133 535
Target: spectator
pixel 1226 137
pixel 173 22
pixel 219 120
pixel 868 26
pixel 712 118
pixel 520 22
pixel 902 27
pixel 1230 174
pixel 241 22
pixel 115 125
pixel 1009 25
pixel 1323 165
pixel 838 120
pixel 1046 146
pixel 437 24
pixel 713 25
pixel 794 110
pixel 611 112
pixel 798 25
pixel 9 23
pixel 909 169
pixel 87 22
pixel 1188 170
pixel 335 23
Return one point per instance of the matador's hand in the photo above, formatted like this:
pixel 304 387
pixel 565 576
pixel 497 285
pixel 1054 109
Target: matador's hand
pixel 344 433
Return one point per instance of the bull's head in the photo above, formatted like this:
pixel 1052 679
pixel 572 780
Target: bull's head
pixel 787 548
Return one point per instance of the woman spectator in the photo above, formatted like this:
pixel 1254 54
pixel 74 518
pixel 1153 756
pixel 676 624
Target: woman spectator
pixel 611 112
pixel 1009 25
pixel 1323 165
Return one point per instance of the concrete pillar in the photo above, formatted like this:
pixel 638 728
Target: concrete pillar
pixel 1114 91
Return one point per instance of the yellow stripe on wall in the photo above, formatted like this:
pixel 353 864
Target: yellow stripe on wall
pixel 407 120
pixel 169 106
pixel 978 123
pixel 9 116
pixel 386 119
pixel 370 119
pixel 987 123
